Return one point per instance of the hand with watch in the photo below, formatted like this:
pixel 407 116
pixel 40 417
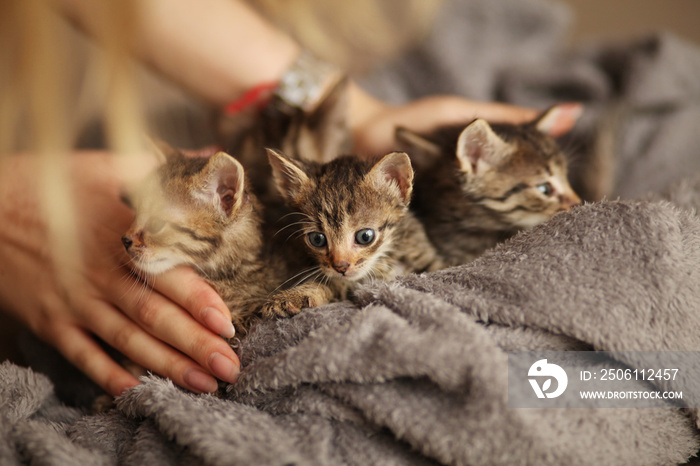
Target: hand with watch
pixel 304 84
pixel 221 51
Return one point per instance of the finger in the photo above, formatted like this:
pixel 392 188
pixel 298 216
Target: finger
pixel 83 352
pixel 425 115
pixel 170 323
pixel 118 331
pixel 494 112
pixel 449 110
pixel 189 290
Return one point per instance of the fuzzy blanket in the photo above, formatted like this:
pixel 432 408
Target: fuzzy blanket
pixel 415 371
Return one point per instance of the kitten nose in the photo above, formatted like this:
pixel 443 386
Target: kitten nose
pixel 341 267
pixel 127 242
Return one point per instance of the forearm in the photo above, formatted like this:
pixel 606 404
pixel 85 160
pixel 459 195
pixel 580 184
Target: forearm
pixel 216 49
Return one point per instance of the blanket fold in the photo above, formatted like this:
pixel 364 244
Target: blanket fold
pixel 416 371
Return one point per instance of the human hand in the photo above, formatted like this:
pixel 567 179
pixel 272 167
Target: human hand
pixel 172 329
pixel 373 122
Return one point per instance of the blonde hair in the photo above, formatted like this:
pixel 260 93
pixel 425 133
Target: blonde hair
pixel 352 34
pixel 40 109
pixel 41 96
pixel 39 103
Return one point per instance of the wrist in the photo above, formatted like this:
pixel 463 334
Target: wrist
pixel 301 87
pixel 217 49
pixel 363 107
pixel 280 51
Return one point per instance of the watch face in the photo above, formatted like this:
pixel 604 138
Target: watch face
pixel 307 81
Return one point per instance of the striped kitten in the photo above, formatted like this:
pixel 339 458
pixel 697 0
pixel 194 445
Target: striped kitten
pixel 199 212
pixel 480 184
pixel 354 222
pixel 319 135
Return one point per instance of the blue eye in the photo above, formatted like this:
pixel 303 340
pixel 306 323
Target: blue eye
pixel 545 188
pixel 317 239
pixel 364 236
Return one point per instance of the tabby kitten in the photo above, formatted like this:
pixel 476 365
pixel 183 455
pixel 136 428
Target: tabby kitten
pixel 480 184
pixel 318 135
pixel 198 211
pixel 355 223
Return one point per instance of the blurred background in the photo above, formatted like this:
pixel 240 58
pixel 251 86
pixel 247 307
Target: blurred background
pixel 616 19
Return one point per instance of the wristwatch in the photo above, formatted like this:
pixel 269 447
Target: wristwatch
pixel 305 83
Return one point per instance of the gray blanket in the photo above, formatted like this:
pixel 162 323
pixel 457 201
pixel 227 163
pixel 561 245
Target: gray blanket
pixel 415 371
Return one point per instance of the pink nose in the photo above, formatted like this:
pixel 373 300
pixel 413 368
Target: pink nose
pixel 133 240
pixel 341 267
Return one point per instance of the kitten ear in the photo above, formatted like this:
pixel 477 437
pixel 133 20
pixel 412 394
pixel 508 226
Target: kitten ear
pixel 423 152
pixel 289 177
pixel 396 169
pixel 559 119
pixel 222 182
pixel 324 133
pixel 160 149
pixel 479 145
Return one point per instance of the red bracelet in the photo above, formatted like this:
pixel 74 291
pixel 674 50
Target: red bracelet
pixel 259 96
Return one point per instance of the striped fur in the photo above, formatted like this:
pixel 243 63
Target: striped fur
pixel 199 212
pixel 340 200
pixel 480 184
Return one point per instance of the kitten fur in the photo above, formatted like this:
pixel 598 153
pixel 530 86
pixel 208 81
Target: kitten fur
pixel 360 207
pixel 200 212
pixel 479 184
pixel 318 135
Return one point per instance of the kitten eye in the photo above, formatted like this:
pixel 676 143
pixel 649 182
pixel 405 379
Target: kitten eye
pixel 545 188
pixel 317 239
pixel 154 225
pixel 364 236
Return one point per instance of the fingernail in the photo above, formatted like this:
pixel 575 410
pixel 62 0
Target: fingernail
pixel 217 323
pixel 223 367
pixel 200 381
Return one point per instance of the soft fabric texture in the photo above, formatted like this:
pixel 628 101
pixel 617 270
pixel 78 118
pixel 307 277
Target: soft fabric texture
pixel 415 371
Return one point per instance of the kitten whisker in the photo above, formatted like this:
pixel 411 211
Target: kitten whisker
pixel 309 277
pixel 201 271
pixel 296 235
pixel 308 269
pixel 143 292
pixel 292 225
pixel 326 279
pixel 145 289
pixel 308 217
pixel 120 259
pixel 372 276
pixel 136 281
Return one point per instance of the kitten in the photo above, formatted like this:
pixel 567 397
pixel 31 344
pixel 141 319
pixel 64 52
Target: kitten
pixel 199 212
pixel 355 223
pixel 318 135
pixel 480 184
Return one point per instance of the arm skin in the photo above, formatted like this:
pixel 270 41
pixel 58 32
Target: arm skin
pixel 216 49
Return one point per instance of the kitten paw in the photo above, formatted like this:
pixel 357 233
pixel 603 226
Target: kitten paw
pixel 102 404
pixel 287 304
